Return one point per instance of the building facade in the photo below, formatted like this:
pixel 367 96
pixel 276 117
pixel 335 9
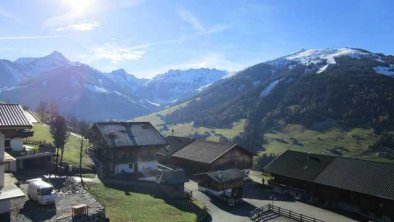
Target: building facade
pixel 125 149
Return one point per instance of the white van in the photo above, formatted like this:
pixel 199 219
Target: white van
pixel 41 191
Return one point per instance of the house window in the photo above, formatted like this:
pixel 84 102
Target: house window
pixel 7 143
pixel 131 166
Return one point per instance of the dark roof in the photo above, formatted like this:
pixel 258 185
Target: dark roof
pixel 299 165
pixel 203 151
pixel 126 134
pixel 172 177
pixel 367 177
pixel 175 143
pixel 13 115
pixel 225 176
pixel 361 176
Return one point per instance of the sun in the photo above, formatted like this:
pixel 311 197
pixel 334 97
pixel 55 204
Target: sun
pixel 78 7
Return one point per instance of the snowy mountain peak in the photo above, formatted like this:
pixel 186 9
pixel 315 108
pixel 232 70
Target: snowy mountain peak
pixel 315 56
pixel 50 62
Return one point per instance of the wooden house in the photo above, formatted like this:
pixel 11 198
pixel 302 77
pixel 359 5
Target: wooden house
pixel 13 123
pixel 226 185
pixel 126 149
pixel 359 186
pixel 198 156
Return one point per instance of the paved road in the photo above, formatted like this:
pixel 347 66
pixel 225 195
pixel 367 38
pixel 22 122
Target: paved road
pixel 255 196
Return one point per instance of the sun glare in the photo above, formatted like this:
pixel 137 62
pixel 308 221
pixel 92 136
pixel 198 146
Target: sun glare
pixel 78 7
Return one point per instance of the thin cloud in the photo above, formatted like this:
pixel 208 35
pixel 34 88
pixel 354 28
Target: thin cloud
pixel 114 53
pixel 82 26
pixel 192 20
pixel 8 16
pixel 29 37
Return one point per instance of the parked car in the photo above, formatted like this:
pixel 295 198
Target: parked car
pixel 41 191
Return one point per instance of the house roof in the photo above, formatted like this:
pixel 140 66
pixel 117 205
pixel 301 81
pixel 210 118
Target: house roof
pixel 299 165
pixel 203 151
pixel 125 134
pixel 172 177
pixel 13 115
pixel 175 143
pixel 225 176
pixel 361 176
pixel 367 177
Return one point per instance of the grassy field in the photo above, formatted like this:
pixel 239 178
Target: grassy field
pixel 71 150
pixel 353 142
pixel 137 207
pixel 187 129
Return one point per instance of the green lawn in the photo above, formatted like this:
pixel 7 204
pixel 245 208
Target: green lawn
pixel 71 150
pixel 137 207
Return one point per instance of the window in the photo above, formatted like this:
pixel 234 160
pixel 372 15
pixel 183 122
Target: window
pixel 131 166
pixel 7 143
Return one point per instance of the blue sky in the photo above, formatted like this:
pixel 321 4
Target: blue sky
pixel 150 37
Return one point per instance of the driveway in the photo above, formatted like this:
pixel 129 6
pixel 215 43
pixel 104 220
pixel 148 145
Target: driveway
pixel 256 196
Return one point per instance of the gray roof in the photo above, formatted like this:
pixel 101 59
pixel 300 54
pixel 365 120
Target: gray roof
pixel 13 115
pixel 367 177
pixel 203 151
pixel 175 143
pixel 299 165
pixel 361 176
pixel 225 176
pixel 172 177
pixel 126 134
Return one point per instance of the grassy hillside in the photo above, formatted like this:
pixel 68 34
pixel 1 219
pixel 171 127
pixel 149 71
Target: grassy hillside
pixel 71 151
pixel 332 140
pixel 131 206
pixel 188 129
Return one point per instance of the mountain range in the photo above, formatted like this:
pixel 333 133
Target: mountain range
pixel 86 93
pixel 309 95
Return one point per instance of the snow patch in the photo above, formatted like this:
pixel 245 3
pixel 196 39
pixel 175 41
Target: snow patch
pixel 384 70
pixel 322 69
pixel 95 88
pixel 152 103
pixel 267 90
pixel 203 87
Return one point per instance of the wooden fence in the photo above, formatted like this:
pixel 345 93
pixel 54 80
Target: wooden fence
pixel 261 211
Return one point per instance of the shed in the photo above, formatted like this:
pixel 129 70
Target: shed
pixel 171 184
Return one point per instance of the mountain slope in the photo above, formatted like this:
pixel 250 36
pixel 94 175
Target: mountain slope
pixel 320 90
pixel 78 89
pixel 177 85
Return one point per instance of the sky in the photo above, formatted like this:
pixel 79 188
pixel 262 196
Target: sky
pixel 148 37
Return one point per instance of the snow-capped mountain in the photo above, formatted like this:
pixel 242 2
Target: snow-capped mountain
pixel 177 85
pixel 126 80
pixel 351 86
pixel 35 66
pixel 89 94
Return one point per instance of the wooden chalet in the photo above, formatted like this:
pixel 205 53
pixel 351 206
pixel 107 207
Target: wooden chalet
pixel 359 186
pixel 198 156
pixel 126 149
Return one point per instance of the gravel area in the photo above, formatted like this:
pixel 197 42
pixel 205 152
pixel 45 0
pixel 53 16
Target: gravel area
pixel 69 193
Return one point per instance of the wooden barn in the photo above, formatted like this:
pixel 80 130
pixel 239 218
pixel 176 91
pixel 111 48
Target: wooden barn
pixel 358 186
pixel 198 156
pixel 126 149
pixel 226 185
pixel 171 184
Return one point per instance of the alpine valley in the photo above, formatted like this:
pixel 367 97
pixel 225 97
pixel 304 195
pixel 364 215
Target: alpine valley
pixel 334 101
